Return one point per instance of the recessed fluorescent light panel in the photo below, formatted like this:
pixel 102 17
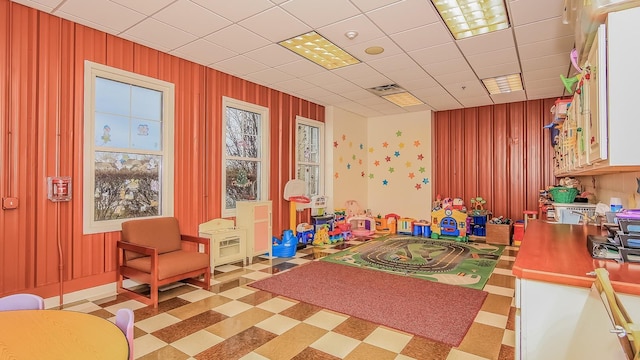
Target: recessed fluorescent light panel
pixel 319 50
pixel 503 84
pixel 466 18
pixel 396 94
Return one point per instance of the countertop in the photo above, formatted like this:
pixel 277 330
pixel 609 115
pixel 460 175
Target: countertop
pixel 557 253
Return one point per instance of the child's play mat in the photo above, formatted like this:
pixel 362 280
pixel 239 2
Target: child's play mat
pixel 449 262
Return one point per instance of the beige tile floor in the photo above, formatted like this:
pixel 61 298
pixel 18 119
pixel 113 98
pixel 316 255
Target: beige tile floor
pixel 234 321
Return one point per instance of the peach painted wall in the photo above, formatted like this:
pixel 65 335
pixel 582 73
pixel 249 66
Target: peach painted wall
pixel 41 134
pixel 399 165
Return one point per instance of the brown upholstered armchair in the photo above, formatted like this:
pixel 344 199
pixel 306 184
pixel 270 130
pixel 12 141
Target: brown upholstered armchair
pixel 153 251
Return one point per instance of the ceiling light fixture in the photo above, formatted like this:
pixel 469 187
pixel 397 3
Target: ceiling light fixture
pixel 503 84
pixel 396 95
pixel 321 51
pixel 466 18
pixel 351 34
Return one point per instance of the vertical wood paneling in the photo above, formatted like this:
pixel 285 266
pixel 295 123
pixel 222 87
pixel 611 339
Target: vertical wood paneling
pixel 471 155
pixel 484 166
pixel 8 225
pixel 513 157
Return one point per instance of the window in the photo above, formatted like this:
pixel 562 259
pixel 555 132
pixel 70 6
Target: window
pixel 245 167
pixel 309 154
pixel 128 147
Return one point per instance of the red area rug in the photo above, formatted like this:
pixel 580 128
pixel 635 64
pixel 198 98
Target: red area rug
pixel 432 310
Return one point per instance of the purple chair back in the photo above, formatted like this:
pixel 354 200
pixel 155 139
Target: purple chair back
pixel 124 321
pixel 21 302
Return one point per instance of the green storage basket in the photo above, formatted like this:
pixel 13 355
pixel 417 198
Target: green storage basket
pixel 564 195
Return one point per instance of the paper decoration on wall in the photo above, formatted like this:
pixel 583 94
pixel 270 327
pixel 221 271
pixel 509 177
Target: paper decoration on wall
pixel 420 157
pixel 385 182
pixel 361 146
pixel 398 133
pixel 388 158
pixel 371 149
pixel 422 169
pixel 401 145
pixel 408 163
pixel 376 163
pixel 385 144
pixel 425 181
pixel 371 176
pixel 411 175
pixel 418 186
pixel 335 144
pixel 391 170
pixel 416 143
pixel 362 174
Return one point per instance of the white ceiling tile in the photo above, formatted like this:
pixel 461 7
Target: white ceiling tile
pixel 487 42
pixel 146 42
pixel 475 101
pixel 545 61
pixel 509 97
pixel 502 56
pixel 320 13
pixel 366 29
pixel 323 79
pixel 344 86
pixel 543 83
pixel 447 67
pixel 467 89
pixel 546 73
pixel 358 95
pixel 315 92
pixel 363 75
pixel 367 5
pixel 275 24
pixel 102 12
pixel 239 65
pixel 269 76
pixel 419 82
pixel 528 11
pixel 497 70
pixel 203 52
pixel 542 30
pixel 404 15
pixel 396 62
pixel 161 34
pixel 436 54
pixel 238 39
pixel 85 22
pixel 147 7
pixel 456 77
pixel 429 92
pixel 191 17
pixel 293 85
pixel 561 45
pixel 544 93
pixel 443 102
pixel 231 9
pixel 301 68
pixel 423 37
pixel 273 55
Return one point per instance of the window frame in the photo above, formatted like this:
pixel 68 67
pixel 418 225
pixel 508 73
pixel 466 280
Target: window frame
pixel 91 72
pixel 321 148
pixel 264 149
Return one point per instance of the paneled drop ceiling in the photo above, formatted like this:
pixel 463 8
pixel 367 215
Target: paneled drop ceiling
pixel 421 56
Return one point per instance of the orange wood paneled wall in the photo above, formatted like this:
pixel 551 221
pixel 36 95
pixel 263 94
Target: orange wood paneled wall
pixel 41 134
pixel 500 152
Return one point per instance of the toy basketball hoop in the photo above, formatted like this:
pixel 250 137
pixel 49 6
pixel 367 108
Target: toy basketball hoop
pixel 294 192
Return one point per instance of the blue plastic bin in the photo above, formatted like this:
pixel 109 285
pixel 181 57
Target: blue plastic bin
pixel 285 248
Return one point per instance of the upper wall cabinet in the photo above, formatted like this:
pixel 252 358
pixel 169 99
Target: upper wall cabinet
pixel 602 125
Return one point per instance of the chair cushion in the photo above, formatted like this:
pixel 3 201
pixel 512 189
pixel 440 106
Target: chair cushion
pixel 172 263
pixel 160 233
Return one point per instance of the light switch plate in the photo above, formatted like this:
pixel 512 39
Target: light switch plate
pixel 9 203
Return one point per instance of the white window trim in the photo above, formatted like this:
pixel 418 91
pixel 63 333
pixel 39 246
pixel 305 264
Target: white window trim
pixel 91 71
pixel 264 149
pixel 321 145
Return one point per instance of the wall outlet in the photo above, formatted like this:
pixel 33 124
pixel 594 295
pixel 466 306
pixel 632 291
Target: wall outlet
pixel 9 203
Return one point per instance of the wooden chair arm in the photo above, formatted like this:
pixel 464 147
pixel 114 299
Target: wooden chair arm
pixel 140 249
pixel 198 240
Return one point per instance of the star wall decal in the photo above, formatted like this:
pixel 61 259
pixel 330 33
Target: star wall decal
pixel 416 143
pixel 418 186
pixel 391 169
pixel 385 182
pixel 371 176
pixel 371 149
pixel 401 145
pixel 422 169
pixel 340 159
pixel 344 137
pixel 396 154
pixel 348 166
pixel 398 133
pixel 350 144
pixel 388 158
pixel 376 163
pixel 353 157
pixel 425 181
pixel 335 144
pixel 360 161
pixel 336 175
pixel 408 163
pixel 420 156
pixel 361 146
pixel 362 173
pixel 411 175
pixel 385 144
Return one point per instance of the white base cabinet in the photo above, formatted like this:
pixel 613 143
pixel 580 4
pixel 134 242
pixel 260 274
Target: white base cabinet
pixel 255 218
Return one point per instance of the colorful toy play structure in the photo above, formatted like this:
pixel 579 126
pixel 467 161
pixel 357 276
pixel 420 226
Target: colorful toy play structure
pixel 450 223
pixel 387 225
pixel 294 193
pixel 362 226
